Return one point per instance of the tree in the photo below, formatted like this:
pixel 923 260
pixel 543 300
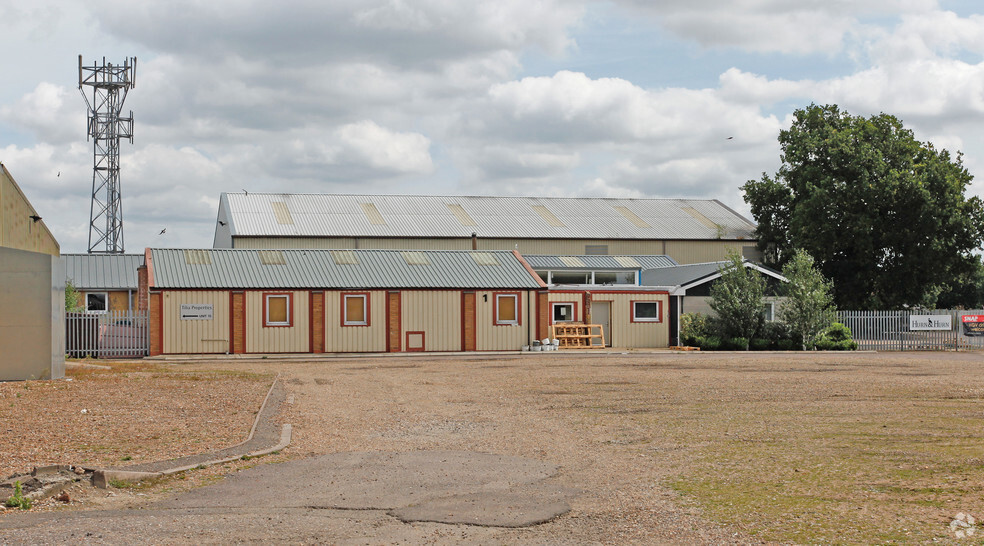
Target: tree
pixel 737 298
pixel 73 299
pixel 884 216
pixel 809 305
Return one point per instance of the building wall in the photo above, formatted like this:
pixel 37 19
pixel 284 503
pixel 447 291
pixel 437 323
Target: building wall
pixel 628 334
pixel 437 313
pixel 295 338
pixel 355 339
pixel 701 304
pixel 577 298
pixel 684 252
pixel 32 328
pixel 17 229
pixel 194 336
pixel 491 337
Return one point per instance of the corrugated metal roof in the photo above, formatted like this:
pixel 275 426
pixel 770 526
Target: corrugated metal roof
pixel 321 269
pixel 680 275
pixel 103 271
pixel 541 262
pixel 330 215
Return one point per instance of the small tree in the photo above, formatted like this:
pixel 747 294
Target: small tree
pixel 809 306
pixel 73 299
pixel 737 298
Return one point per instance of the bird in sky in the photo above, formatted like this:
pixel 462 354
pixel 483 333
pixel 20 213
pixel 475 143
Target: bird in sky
pixel 246 192
pixel 162 231
pixel 59 173
pixel 730 138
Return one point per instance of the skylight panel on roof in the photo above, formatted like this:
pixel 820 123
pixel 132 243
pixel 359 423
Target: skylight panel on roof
pixel 372 213
pixel 631 216
pixel 197 257
pixel 545 213
pixel 272 257
pixel 484 258
pixel 415 258
pixel 281 213
pixel 572 261
pixel 460 213
pixel 700 217
pixel 628 261
pixel 344 257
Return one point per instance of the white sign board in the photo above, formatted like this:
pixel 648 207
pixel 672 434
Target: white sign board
pixel 196 311
pixel 930 322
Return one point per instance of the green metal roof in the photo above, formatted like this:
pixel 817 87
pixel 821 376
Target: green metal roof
pixel 341 269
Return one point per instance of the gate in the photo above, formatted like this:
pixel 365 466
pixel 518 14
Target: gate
pixel 889 331
pixel 113 334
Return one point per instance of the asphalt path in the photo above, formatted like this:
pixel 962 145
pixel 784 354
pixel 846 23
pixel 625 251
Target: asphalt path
pixel 341 498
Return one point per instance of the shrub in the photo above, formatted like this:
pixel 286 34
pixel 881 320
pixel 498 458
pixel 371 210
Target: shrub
pixel 759 344
pixel 693 326
pixel 737 344
pixel 711 343
pixel 785 344
pixel 836 337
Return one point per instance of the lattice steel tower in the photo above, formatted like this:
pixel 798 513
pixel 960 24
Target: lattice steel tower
pixel 106 127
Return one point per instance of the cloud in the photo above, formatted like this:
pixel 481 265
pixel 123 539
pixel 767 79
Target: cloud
pixel 52 114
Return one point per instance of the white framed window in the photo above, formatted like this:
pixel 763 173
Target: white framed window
pixel 506 309
pixel 562 311
pixel 646 311
pixel 96 302
pixel 355 309
pixel 277 310
pixel 769 311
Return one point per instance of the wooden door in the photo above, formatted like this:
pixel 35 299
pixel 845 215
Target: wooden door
pixel 469 336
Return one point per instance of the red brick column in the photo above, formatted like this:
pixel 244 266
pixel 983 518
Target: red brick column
pixel 156 324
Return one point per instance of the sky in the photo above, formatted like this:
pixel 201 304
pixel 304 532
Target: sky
pixel 564 98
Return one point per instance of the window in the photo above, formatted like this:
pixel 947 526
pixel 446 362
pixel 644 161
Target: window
pixel 563 312
pixel 596 250
pixel 276 310
pixel 614 277
pixel 96 302
pixel 571 277
pixel 355 309
pixel 769 311
pixel 506 310
pixel 646 311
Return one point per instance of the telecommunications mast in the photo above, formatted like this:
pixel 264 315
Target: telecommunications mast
pixel 106 127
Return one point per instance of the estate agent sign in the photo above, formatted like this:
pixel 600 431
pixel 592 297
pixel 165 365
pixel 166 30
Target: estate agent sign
pixel 930 322
pixel 196 311
pixel 973 325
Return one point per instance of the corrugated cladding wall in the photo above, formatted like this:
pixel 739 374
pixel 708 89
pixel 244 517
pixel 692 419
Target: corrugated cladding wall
pixel 628 334
pixel 17 229
pixel 278 339
pixel 491 337
pixel 196 336
pixel 437 314
pixel 355 339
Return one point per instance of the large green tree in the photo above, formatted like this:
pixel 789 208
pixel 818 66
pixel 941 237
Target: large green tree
pixel 884 215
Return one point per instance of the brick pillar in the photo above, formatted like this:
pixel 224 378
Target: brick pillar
pixel 143 290
pixel 156 324
pixel 542 316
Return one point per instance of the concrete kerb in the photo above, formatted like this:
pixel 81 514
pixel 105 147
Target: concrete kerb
pixel 104 477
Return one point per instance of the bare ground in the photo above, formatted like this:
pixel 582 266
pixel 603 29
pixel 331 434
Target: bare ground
pixel 683 448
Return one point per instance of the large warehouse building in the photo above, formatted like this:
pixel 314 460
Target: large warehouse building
pixel 686 230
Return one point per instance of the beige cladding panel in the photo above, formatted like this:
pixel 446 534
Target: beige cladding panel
pixel 355 339
pixel 17 228
pixel 696 252
pixel 437 313
pixel 196 336
pixel 627 334
pixel 491 337
pixel 295 338
pixel 577 298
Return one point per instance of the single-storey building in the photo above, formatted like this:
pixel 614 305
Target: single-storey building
pixel 297 301
pixel 687 230
pixel 105 282
pixel 32 290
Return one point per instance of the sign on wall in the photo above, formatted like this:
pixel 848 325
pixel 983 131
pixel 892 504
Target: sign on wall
pixel 973 325
pixel 196 311
pixel 930 322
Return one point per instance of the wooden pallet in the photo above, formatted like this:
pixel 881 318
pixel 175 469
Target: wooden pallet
pixel 579 336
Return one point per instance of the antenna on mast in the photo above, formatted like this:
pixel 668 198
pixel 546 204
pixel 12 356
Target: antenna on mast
pixel 109 85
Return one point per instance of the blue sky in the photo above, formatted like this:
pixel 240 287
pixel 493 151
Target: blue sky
pixel 625 98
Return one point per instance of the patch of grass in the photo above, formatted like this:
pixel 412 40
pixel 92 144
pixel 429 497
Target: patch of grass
pixel 119 484
pixel 126 458
pixel 18 500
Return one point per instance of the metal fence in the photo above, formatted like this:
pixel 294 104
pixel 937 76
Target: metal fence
pixel 893 331
pixel 113 334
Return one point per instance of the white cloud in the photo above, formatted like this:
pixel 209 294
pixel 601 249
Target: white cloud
pixel 53 114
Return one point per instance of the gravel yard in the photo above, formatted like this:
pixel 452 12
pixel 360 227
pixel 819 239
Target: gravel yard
pixel 665 447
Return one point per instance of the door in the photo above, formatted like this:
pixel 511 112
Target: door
pixel 601 313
